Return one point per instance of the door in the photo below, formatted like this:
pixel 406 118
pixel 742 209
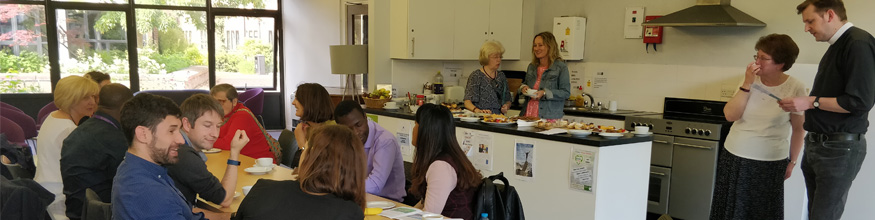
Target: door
pixel 694 164
pixel 505 26
pixel 661 153
pixel 658 190
pixel 431 25
pixel 472 26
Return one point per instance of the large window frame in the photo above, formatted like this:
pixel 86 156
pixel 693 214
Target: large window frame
pixel 51 7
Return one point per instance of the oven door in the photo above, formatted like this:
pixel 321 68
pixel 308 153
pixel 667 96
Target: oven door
pixel 658 190
pixel 694 166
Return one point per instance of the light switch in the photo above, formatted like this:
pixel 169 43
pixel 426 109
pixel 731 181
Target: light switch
pixel 634 16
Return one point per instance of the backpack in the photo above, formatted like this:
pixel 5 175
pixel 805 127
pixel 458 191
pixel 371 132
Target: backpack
pixel 501 202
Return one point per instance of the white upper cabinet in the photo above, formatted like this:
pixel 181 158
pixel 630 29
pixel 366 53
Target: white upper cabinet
pixel 453 29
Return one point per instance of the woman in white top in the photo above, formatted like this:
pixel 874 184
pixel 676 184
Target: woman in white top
pixel 764 141
pixel 76 98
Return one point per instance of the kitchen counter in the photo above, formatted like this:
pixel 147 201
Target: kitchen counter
pixel 619 114
pixel 591 140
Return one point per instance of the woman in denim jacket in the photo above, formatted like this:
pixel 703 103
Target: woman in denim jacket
pixel 548 76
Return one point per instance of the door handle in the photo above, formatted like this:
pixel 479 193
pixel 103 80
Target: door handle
pixel 661 142
pixel 413 47
pixel 693 146
pixel 657 173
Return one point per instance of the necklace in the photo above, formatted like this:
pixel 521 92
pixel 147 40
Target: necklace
pixel 494 74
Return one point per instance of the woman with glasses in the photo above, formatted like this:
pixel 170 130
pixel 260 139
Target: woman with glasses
pixel 487 90
pixel 758 156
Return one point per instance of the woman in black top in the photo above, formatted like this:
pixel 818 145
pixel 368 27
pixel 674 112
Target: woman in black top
pixel 330 185
pixel 487 90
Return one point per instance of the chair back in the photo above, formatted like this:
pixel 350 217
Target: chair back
pixel 7 105
pixel 94 208
pixel 289 147
pixel 176 95
pixel 253 99
pixel 28 126
pixel 13 132
pixel 44 112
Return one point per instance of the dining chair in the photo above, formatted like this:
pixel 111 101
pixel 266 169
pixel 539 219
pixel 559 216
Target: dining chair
pixel 289 147
pixel 13 132
pixel 28 126
pixel 7 105
pixel 44 112
pixel 94 208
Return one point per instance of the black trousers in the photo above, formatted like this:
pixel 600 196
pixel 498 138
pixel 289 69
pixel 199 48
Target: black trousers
pixel 829 167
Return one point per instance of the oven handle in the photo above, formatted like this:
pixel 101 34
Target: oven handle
pixel 661 142
pixel 693 146
pixel 657 173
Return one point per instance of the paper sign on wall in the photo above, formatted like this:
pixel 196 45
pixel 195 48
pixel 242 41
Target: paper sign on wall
pixel 581 171
pixel 405 137
pixel 524 160
pixel 451 72
pixel 478 146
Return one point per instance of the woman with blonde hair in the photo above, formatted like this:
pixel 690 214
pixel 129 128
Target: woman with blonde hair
pixel 330 184
pixel 76 98
pixel 547 74
pixel 487 90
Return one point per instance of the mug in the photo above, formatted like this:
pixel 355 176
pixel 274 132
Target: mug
pixel 264 162
pixel 612 106
pixel 246 190
pixel 390 105
pixel 432 217
pixel 531 92
pixel 642 129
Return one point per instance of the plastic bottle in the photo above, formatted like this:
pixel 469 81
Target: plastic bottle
pixel 438 83
pixel 484 216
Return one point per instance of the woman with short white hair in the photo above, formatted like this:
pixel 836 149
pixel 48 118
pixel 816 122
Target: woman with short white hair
pixel 487 90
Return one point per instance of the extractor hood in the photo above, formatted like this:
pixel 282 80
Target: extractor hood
pixel 708 13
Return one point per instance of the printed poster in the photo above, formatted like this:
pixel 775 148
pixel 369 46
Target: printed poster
pixel 477 146
pixel 467 142
pixel 524 160
pixel 581 171
pixel 405 137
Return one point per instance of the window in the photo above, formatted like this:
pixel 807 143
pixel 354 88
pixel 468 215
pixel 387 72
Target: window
pixel 249 63
pixel 170 46
pixel 169 57
pixel 93 41
pixel 24 63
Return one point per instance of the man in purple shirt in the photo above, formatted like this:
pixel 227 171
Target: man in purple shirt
pixel 385 165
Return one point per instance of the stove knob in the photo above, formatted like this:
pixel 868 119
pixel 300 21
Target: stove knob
pixel 708 133
pixel 701 132
pixel 688 130
pixel 650 126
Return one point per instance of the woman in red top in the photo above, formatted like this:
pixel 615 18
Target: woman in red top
pixel 238 117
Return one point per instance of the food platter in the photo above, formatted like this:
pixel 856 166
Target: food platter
pixel 498 123
pixel 579 132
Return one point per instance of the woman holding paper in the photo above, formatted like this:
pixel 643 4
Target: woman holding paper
pixel 758 157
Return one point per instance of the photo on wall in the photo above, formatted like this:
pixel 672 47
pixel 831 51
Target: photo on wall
pixel 524 160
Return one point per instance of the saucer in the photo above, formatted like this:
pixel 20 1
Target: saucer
pixel 387 108
pixel 258 170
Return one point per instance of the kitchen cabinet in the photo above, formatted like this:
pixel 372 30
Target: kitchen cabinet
pixel 453 30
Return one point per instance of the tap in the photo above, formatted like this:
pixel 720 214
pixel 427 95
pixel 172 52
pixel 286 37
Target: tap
pixel 590 103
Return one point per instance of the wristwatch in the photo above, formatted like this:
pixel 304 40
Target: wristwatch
pixel 816 102
pixel 233 162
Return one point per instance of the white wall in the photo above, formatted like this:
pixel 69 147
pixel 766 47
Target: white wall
pixel 309 27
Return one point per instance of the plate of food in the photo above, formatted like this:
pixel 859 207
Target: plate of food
pixel 380 204
pixel 579 132
pixel 212 151
pixel 469 119
pixel 495 119
pixel 498 122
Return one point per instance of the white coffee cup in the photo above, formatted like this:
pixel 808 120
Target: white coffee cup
pixel 642 129
pixel 391 105
pixel 432 217
pixel 246 190
pixel 612 106
pixel 531 92
pixel 264 162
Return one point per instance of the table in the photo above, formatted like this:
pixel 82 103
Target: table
pixel 216 164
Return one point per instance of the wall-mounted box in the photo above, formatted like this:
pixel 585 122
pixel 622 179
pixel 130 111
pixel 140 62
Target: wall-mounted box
pixel 570 34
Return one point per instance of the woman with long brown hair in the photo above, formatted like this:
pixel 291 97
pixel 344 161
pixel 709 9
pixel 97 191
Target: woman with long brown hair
pixel 313 105
pixel 441 174
pixel 548 76
pixel 330 185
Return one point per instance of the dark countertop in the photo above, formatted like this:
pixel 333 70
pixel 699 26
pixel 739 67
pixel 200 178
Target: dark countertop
pixel 591 140
pixel 619 114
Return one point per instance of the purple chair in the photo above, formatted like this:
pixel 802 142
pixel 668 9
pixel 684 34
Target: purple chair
pixel 6 105
pixel 177 96
pixel 24 121
pixel 13 132
pixel 44 112
pixel 253 99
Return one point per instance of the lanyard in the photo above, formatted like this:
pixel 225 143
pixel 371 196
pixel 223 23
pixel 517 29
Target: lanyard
pixel 104 119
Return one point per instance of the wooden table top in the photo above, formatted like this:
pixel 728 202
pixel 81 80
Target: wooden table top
pixel 217 162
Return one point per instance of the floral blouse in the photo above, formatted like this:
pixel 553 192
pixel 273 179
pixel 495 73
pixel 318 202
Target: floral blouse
pixel 487 93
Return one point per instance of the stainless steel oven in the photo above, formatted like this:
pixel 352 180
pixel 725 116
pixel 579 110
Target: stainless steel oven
pixel 686 140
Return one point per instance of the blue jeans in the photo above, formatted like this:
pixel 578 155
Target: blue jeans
pixel 829 167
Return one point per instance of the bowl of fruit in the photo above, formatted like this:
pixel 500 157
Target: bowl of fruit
pixel 377 98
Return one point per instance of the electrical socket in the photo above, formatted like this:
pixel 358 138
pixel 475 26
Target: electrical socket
pixel 727 91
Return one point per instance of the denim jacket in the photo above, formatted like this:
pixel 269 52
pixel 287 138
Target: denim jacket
pixel 557 88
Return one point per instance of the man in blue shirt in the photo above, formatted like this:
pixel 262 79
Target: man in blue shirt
pixel 141 188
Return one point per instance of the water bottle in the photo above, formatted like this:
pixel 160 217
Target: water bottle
pixel 484 216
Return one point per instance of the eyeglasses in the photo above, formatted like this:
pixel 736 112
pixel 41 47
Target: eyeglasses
pixel 755 57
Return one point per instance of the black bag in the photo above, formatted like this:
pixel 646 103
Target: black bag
pixel 501 202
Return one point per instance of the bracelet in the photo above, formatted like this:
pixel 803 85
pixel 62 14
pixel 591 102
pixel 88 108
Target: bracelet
pixel 793 162
pixel 233 162
pixel 743 89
